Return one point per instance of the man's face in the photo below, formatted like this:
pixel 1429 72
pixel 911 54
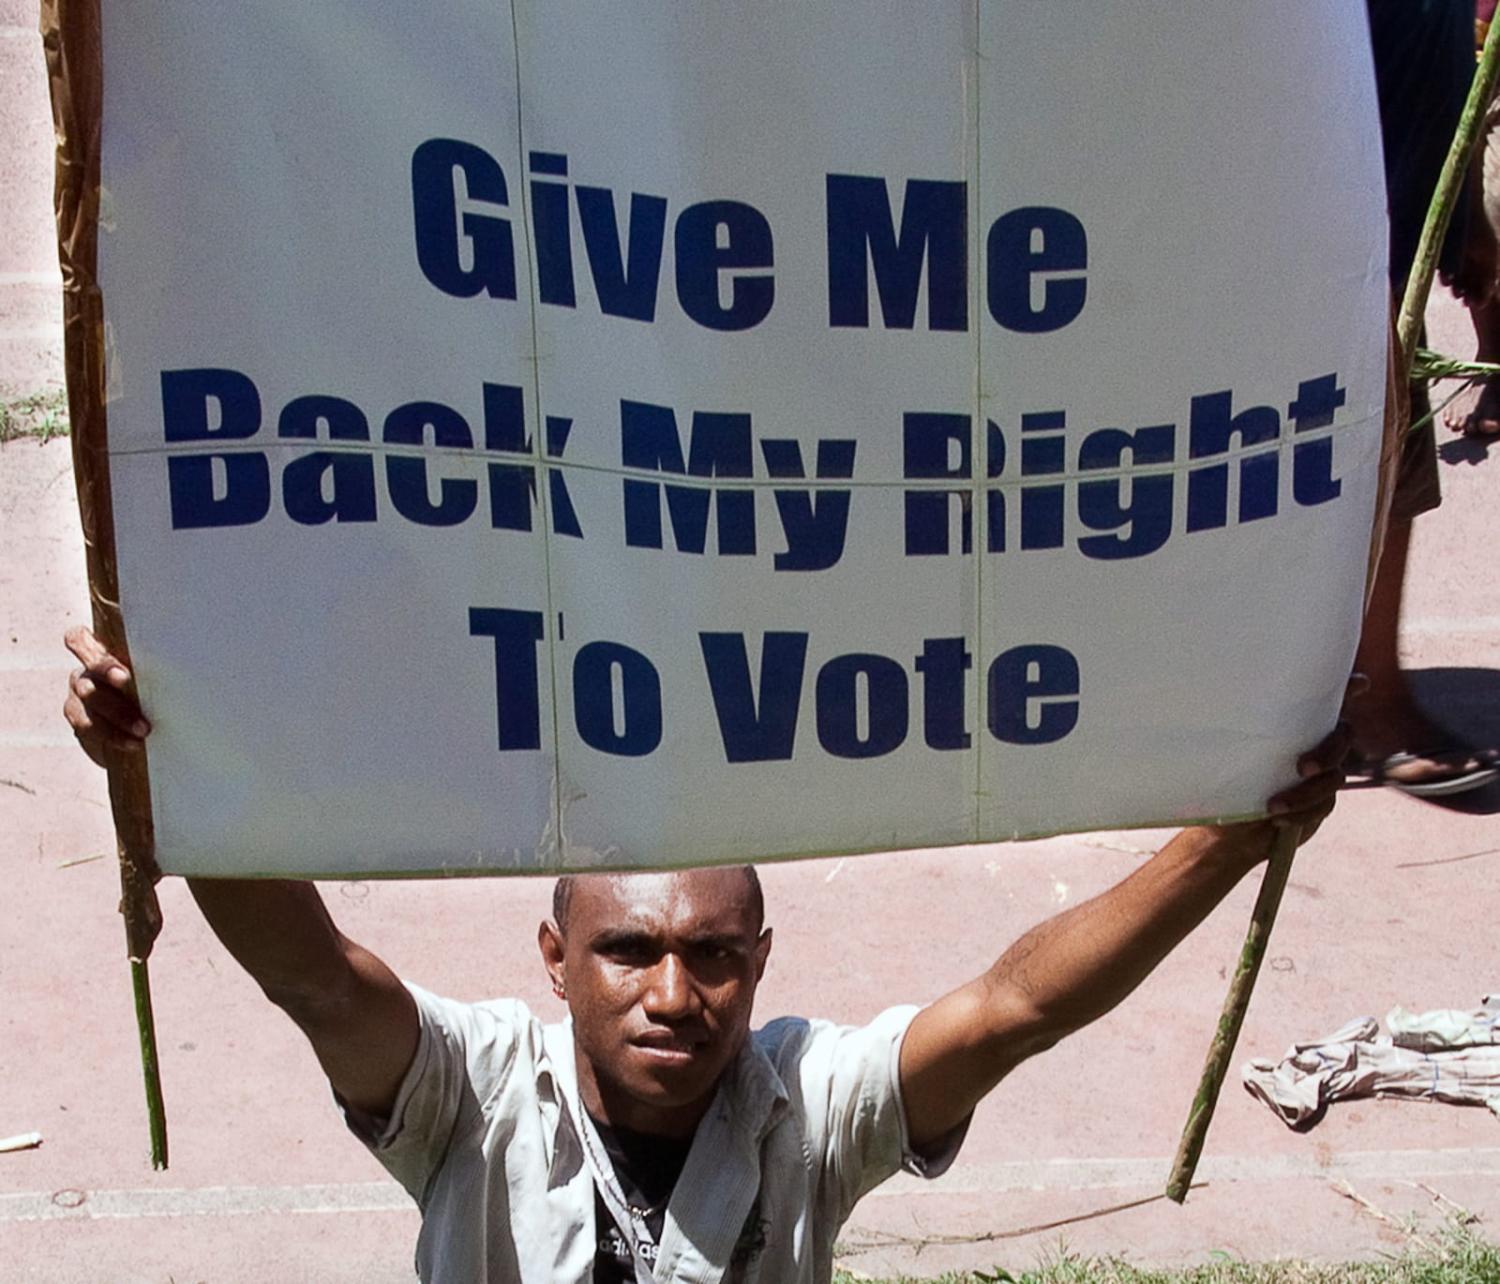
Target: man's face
pixel 660 973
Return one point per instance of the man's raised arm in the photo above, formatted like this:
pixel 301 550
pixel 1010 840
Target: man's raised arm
pixel 1075 967
pixel 360 1019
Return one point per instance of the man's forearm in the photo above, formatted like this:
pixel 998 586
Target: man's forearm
pixel 279 931
pixel 1063 974
pixel 1078 965
pixel 360 1019
pixel 362 1022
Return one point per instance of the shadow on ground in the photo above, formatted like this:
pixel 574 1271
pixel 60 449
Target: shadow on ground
pixel 1466 450
pixel 1467 702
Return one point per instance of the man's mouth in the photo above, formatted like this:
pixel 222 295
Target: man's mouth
pixel 670 1049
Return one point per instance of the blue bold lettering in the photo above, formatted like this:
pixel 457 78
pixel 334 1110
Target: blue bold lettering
pixel 862 237
pixel 886 705
pixel 329 485
pixel 701 258
pixel 518 718
pixel 720 447
pixel 553 230
pixel 440 231
pixel 512 486
pixel 815 522
pixel 186 396
pixel 1032 695
pixel 1022 245
pixel 625 282
pixel 1313 481
pixel 942 664
pixel 936 445
pixel 195 498
pixel 339 420
pixel 1043 452
pixel 406 478
pixel 1211 429
pixel 638 731
pixel 197 502
pixel 1144 524
pixel 994 507
pixel 756 727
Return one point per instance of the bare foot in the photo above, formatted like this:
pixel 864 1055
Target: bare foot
pixel 1434 774
pixel 1411 753
pixel 1476 411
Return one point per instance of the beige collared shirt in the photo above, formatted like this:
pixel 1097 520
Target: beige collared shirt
pixel 807 1120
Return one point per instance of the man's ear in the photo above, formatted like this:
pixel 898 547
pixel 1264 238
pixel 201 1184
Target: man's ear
pixel 762 953
pixel 549 940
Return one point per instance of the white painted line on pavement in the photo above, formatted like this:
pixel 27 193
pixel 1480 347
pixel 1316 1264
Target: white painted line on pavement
pixel 1085 1174
pixel 1054 1175
pixel 25 740
pixel 206 1201
pixel 1438 625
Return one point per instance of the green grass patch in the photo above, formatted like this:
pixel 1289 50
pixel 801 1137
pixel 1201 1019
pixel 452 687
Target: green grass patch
pixel 40 415
pixel 1455 1254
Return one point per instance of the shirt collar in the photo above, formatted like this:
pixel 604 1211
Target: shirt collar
pixel 751 1097
pixel 721 1178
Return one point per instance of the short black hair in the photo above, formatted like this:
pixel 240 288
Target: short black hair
pixel 562 896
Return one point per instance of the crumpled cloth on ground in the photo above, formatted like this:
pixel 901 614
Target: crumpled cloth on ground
pixel 1443 1055
pixel 1446 1028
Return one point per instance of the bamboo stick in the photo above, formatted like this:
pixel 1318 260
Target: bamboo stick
pixel 156 1110
pixel 1236 1003
pixel 1440 211
pixel 1279 867
pixel 71 39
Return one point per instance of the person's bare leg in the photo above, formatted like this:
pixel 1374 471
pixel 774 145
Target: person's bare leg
pixel 1483 417
pixel 1476 411
pixel 1387 710
pixel 1387 720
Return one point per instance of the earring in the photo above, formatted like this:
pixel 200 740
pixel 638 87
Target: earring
pixel 559 990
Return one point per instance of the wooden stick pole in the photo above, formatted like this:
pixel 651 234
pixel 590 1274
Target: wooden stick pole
pixel 1279 867
pixel 1236 1002
pixel 72 43
pixel 156 1110
pixel 1450 182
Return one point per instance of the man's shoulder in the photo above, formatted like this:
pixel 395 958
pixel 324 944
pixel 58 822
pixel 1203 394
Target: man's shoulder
pixel 484 1031
pixel 502 1010
pixel 790 1041
pixel 777 1034
pixel 492 1050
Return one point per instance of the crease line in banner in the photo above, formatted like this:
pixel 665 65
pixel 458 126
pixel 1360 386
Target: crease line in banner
pixel 972 109
pixel 552 846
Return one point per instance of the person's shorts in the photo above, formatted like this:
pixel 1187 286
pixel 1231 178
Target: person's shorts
pixel 1417 489
pixel 1424 63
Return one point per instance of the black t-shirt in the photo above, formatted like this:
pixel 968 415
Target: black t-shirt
pixel 647 1169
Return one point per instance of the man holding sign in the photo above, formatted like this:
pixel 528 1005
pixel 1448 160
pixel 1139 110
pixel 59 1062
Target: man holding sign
pixel 656 1136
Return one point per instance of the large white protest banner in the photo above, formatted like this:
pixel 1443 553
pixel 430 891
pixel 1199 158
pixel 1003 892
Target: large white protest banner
pixel 562 435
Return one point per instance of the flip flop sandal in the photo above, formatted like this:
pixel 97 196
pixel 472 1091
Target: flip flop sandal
pixel 1378 772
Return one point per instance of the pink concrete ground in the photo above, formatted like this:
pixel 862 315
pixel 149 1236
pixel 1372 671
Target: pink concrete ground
pixel 30 302
pixel 1390 904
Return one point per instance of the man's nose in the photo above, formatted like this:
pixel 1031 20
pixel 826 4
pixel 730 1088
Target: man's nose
pixel 670 996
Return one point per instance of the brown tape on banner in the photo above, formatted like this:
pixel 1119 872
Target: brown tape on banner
pixel 71 38
pixel 1392 441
